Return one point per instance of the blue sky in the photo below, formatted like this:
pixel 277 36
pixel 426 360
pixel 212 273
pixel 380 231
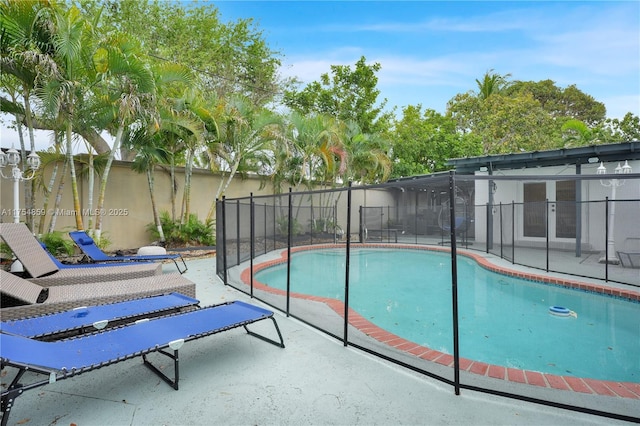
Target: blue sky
pixel 432 50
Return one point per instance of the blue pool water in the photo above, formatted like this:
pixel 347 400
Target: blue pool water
pixel 503 320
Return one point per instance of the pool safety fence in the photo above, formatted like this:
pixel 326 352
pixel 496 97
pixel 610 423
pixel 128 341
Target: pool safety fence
pixel 559 228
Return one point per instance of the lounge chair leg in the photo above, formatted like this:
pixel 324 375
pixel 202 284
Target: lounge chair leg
pixel 9 396
pixel 183 263
pixel 7 402
pixel 173 383
pixel 266 339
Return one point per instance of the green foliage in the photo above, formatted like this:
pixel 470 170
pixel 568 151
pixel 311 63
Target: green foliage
pixel 527 116
pixel 282 225
pixel 88 66
pixel 506 124
pixel 492 83
pixel 103 242
pixel 424 141
pixel 325 225
pixel 368 155
pixel 562 104
pixel 233 56
pixel 5 251
pixel 627 129
pixel 192 233
pixel 347 94
pixel 58 244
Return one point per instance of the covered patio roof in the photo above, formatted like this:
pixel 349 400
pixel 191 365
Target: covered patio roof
pixel 555 157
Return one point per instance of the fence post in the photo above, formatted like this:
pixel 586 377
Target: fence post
pixel 312 216
pixel 546 232
pixel 578 212
pixel 238 232
pixel 501 235
pixel 275 227
pixel 289 228
pixel 224 240
pixel 335 222
pixel 252 235
pixel 490 213
pixel 454 282
pixel 488 228
pixel 513 232
pixel 606 239
pixel 346 273
pixel 265 228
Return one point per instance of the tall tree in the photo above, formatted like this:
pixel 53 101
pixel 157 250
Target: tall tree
pixel 128 88
pixel 149 154
pixel 424 140
pixel 347 95
pixel 64 93
pixel 315 150
pixel 243 143
pixel 492 83
pixel 230 57
pixel 27 47
pixel 576 133
pixel 367 156
pixel 565 104
pixel 625 130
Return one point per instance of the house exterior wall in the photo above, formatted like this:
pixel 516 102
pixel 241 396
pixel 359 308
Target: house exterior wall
pixel 592 211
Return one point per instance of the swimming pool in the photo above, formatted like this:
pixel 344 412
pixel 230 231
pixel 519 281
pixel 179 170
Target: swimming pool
pixel 503 320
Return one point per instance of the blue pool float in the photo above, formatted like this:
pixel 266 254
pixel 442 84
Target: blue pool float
pixel 561 311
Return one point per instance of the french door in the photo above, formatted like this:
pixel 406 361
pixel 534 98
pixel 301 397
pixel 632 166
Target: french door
pixel 560 213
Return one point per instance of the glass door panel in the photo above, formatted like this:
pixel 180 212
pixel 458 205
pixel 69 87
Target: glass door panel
pixel 535 212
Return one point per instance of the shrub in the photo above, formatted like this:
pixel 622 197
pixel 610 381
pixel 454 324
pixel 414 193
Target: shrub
pixel 57 244
pixel 5 251
pixel 192 233
pixel 282 224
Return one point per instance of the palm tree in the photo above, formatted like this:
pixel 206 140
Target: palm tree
pixel 316 144
pixel 63 94
pixel 576 133
pixel 149 154
pixel 186 121
pixel 128 85
pixel 26 46
pixel 369 161
pixel 492 83
pixel 243 143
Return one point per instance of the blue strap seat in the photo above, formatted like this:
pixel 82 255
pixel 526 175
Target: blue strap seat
pixel 90 249
pixel 62 359
pixel 89 318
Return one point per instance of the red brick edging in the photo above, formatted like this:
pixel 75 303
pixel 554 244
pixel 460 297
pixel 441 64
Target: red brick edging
pixel 570 383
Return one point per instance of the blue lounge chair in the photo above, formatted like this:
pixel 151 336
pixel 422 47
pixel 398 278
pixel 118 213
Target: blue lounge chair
pixel 61 265
pixel 66 358
pixel 44 270
pixel 86 244
pixel 85 319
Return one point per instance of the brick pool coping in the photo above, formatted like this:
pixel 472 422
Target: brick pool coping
pixel 569 383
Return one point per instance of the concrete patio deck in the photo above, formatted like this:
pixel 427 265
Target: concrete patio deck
pixel 235 379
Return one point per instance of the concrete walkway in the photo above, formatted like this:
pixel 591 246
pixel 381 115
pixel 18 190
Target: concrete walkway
pixel 235 379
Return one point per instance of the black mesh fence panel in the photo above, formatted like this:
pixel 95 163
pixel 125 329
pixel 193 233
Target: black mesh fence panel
pixel 373 267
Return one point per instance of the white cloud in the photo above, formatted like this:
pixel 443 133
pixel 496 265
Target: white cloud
pixel 492 22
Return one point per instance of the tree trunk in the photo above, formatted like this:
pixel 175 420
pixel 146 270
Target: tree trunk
pixel 103 181
pixel 91 183
pixel 56 204
pixel 74 180
pixel 45 202
pixel 154 207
